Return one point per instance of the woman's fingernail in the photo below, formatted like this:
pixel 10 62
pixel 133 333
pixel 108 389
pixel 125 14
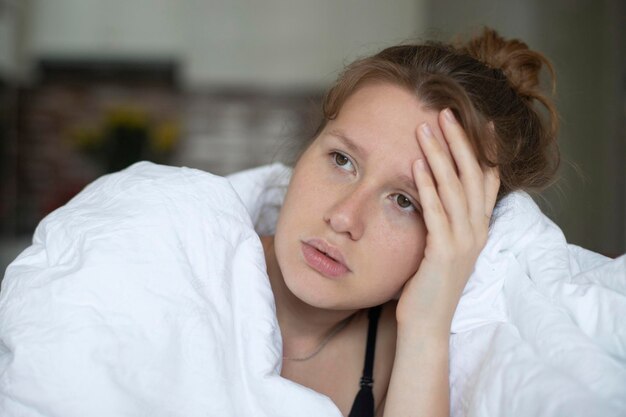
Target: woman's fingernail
pixel 421 164
pixel 449 115
pixel 426 130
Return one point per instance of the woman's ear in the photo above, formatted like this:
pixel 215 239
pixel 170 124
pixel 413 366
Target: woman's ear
pixel 491 151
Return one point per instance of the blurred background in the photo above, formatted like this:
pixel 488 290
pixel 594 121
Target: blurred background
pixel 90 86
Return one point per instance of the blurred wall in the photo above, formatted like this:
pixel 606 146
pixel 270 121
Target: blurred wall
pixel 10 15
pixel 585 40
pixel 268 44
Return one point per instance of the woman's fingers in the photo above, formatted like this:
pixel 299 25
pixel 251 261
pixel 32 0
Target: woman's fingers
pixel 466 191
pixel 433 211
pixel 470 172
pixel 451 190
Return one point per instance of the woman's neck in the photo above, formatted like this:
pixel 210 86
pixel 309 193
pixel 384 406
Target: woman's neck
pixel 303 327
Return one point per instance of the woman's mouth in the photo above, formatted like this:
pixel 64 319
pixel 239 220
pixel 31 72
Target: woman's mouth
pixel 322 262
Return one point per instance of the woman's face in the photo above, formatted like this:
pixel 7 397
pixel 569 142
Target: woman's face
pixel 352 196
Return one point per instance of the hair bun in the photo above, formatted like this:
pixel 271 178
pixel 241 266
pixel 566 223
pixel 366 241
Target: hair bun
pixel 521 65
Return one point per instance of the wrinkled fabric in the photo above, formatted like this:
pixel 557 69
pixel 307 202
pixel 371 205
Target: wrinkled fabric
pixel 147 294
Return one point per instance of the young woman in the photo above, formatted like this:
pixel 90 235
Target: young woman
pixel 392 200
pixel 148 293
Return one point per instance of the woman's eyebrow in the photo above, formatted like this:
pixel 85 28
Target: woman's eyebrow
pixel 349 143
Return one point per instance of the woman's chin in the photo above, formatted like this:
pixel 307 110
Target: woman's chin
pixel 317 297
pixel 335 299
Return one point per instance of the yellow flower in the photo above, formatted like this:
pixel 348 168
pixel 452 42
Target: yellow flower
pixel 126 116
pixel 164 137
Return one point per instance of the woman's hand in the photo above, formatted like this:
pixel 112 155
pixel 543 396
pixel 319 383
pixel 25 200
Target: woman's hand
pixel 456 208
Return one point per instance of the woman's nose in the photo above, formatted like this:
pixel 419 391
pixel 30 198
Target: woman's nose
pixel 346 215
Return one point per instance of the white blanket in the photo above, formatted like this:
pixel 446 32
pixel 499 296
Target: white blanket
pixel 147 295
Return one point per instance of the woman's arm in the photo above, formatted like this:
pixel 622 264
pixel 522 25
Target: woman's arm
pixel 419 378
pixel 457 197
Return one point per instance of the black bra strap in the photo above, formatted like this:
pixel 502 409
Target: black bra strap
pixel 363 405
pixel 368 370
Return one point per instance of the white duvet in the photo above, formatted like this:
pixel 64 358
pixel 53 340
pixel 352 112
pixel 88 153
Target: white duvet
pixel 147 295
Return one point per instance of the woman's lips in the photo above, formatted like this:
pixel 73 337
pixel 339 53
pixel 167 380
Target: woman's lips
pixel 322 263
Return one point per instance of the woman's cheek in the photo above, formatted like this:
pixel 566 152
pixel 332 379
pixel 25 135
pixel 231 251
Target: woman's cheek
pixel 410 221
pixel 407 235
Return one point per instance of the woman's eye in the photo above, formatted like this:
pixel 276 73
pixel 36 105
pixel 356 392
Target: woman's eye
pixel 404 202
pixel 342 161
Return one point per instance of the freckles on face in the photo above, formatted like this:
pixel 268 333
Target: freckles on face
pixel 353 189
pixel 392 250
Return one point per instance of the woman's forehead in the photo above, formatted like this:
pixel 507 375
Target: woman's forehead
pixel 383 117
